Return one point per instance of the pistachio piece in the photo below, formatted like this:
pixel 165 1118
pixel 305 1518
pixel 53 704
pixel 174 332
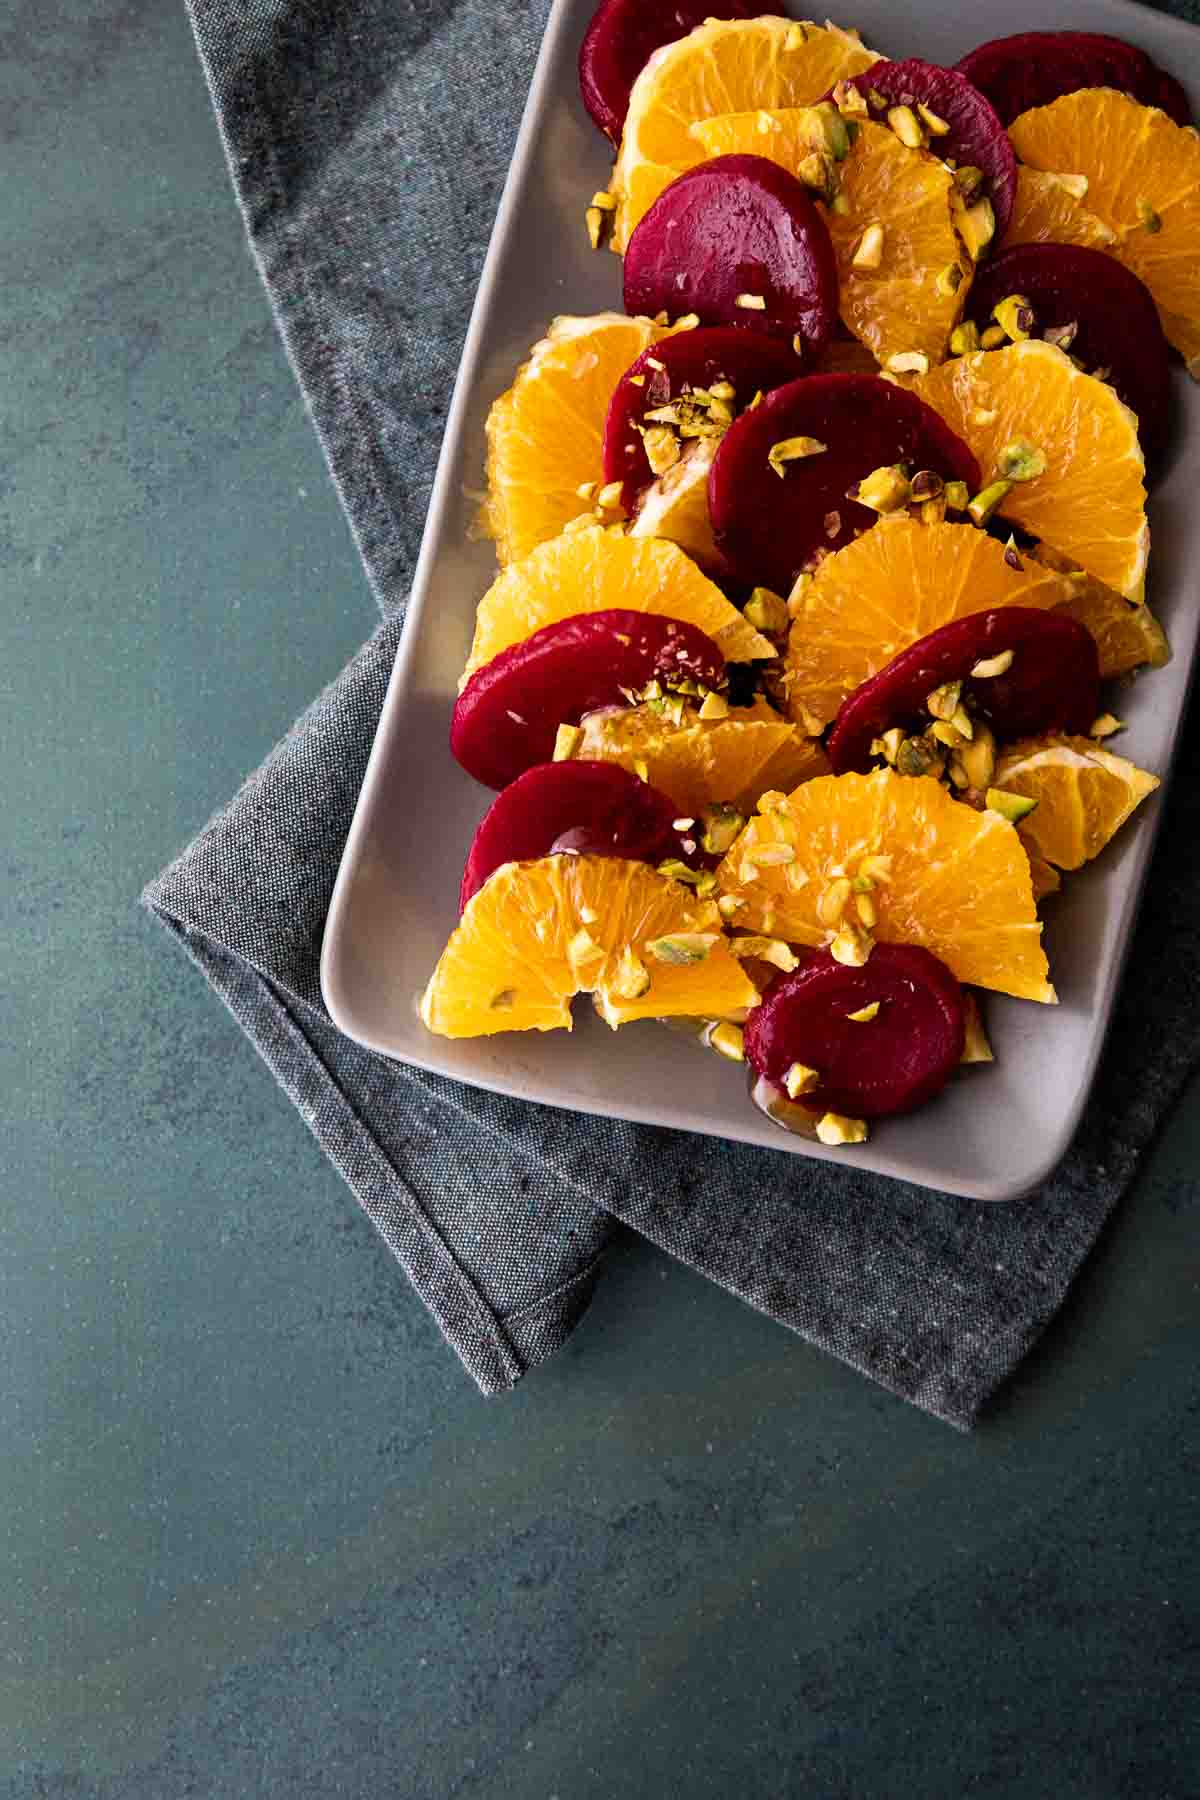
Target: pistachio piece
pixel 713 706
pixel 609 496
pixel 836 1128
pixel 964 338
pixel 769 856
pixel 1105 726
pixel 833 902
pixel 884 490
pixel 1061 336
pixel 920 756
pixel 877 869
pixel 945 733
pixel 990 666
pixel 888 746
pixel 935 126
pixel 981 508
pixel 865 1014
pixel 682 948
pixel 767 611
pixel 864 906
pixel 908 362
pixel 729 905
pixel 968 181
pixel 765 949
pixel 687 322
pixel 851 946
pixel 977 227
pixel 587 490
pixel 795 37
pixel 605 201
pixel 750 302
pixel 850 101
pixel 728 1040
pixel 1020 461
pixel 944 701
pixel 949 280
pixel 976 1048
pixel 566 741
pixel 869 253
pixel 977 759
pixel 721 825
pixel 957 496
pixel 795 599
pixel 992 337
pixel 907 127
pixel 1075 185
pixel 662 448
pixel 800 1079
pixel 594 219
pixel 837 136
pixel 1014 315
pixel 793 449
pixel 631 978
pixel 1013 807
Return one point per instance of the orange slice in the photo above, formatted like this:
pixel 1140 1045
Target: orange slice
pixel 724 66
pixel 538 933
pixel 675 505
pixel 1127 637
pixel 954 880
pixel 544 435
pixel 1051 209
pixel 1143 175
pixel 703 762
pixel 598 568
pixel 1090 501
pixel 899 581
pixel 1084 795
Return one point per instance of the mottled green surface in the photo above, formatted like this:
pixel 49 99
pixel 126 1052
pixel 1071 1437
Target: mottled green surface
pixel 259 1536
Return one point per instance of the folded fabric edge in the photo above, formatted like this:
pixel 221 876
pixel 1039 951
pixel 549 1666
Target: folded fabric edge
pixel 495 1352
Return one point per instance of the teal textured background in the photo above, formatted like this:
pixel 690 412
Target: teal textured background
pixel 259 1536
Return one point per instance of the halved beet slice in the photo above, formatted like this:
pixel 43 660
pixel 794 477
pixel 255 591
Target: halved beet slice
pixel 623 36
pixel 1053 683
pixel 1034 67
pixel 772 526
pixel 734 230
pixel 1116 322
pixel 976 137
pixel 584 807
pixel 890 1063
pixel 507 717
pixel 669 371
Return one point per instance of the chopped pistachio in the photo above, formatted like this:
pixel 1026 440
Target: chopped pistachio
pixel 1061 336
pixel 990 666
pixel 566 741
pixel 750 302
pixel 795 600
pixel 865 1014
pixel 662 448
pixel 793 449
pixel 907 127
pixel 609 496
pixel 816 171
pixel 963 723
pixel 587 490
pixel 1013 807
pixel 682 824
pixel 682 947
pixel 631 978
pixel 876 868
pixel 957 496
pixel 721 825
pixel 987 500
pixel 977 759
pixel 920 756
pixel 1020 461
pixel 641 768
pixel 594 220
pixel 832 904
pixel 836 1128
pixel 945 733
pixel 949 280
pixel 687 322
pixel 795 37
pixel 677 870
pixel 851 946
pixel 850 101
pixel 636 380
pixel 605 201
pixel 888 746
pixel 968 179
pixel 869 253
pixel 723 390
pixel 767 612
pixel 926 484
pixel 766 949
pixel 935 126
pixel 864 906
pixel 503 999
pixel 908 362
pixel 976 1048
pixel 713 706
pixel 729 904
pixel 1105 726
pixel 944 701
pixel 800 1079
pixel 769 856
pixel 727 1040
pixel 992 337
pixel 884 490
pixel 1075 185
pixel 977 227
pixel 1148 218
pixel 964 338
pixel 1014 315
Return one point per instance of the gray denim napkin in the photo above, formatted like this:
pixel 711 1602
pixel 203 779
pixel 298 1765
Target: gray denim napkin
pixel 367 140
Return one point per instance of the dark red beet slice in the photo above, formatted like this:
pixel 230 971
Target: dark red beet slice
pixel 1035 67
pixel 591 807
pixel 623 36
pixel 771 528
pixel 889 1064
pixel 737 225
pixel 1053 684
pixel 976 136
pixel 693 359
pixel 1118 326
pixel 507 716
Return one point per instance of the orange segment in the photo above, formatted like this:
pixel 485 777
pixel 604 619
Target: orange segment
pixel 909 302
pixel 957 881
pixel 724 66
pixel 1084 795
pixel 1127 637
pixel 1047 210
pixel 1143 174
pixel 598 568
pixel 538 933
pixel 544 435
pixel 899 581
pixel 675 505
pixel 1090 501
pixel 699 762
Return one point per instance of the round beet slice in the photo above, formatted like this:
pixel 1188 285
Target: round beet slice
pixel 1116 325
pixel 1034 67
pixel 623 36
pixel 733 230
pixel 1053 683
pixel 868 1068
pixel 507 716
pixel 669 371
pixel 591 807
pixel 770 527
pixel 976 137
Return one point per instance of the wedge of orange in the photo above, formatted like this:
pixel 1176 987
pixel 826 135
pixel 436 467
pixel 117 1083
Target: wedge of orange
pixel 675 505
pixel 724 66
pixel 1127 637
pixel 936 873
pixel 544 435
pixel 1052 209
pixel 1084 795
pixel 538 933
pixel 1089 501
pixel 598 568
pixel 1143 175
pixel 705 762
pixel 899 581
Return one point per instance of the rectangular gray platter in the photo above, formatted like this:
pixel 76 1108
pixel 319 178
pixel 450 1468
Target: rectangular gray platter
pixel 996 1132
